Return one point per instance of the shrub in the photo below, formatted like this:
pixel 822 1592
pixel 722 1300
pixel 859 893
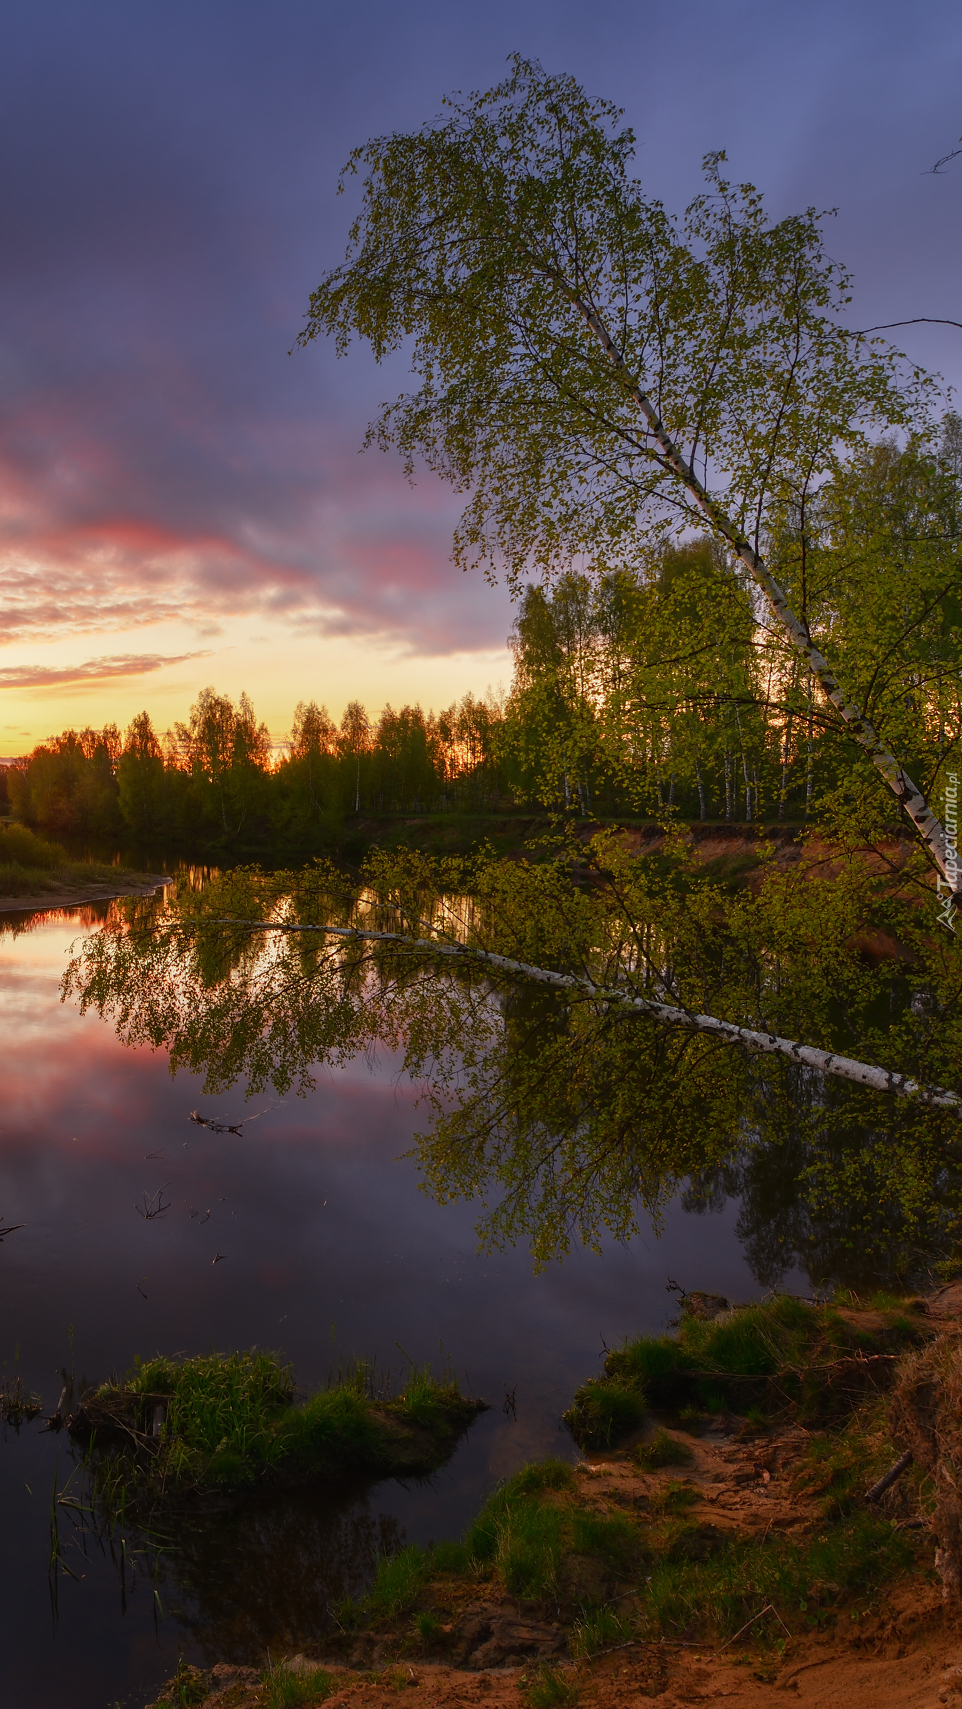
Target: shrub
pixel 22 847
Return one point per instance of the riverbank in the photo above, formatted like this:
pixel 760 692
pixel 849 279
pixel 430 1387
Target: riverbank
pixel 706 1554
pixel 72 888
pixel 36 874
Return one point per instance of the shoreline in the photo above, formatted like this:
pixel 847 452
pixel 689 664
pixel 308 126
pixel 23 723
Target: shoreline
pixel 76 895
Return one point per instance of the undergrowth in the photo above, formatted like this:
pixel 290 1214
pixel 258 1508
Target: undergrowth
pixel 29 863
pixel 782 1353
pixel 225 1423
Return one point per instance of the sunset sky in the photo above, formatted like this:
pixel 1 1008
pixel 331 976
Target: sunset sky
pixel 182 502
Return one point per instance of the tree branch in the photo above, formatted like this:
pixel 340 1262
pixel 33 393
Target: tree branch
pixel 666 1014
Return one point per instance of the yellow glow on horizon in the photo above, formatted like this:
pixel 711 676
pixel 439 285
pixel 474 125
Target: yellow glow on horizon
pixel 276 668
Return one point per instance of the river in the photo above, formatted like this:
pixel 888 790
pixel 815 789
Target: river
pixel 307 1234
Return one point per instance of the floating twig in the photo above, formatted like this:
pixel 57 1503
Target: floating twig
pixel 216 1126
pixel 154 1205
pixel 11 1228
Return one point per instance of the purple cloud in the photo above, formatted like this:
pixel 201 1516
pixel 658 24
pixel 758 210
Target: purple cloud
pixel 92 670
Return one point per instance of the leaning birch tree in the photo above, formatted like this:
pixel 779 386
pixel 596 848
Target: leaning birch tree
pixel 592 372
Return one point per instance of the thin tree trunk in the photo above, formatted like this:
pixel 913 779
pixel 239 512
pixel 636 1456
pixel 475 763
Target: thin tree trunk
pixel 701 792
pixel 786 742
pixel 910 797
pixel 807 1056
pixel 810 755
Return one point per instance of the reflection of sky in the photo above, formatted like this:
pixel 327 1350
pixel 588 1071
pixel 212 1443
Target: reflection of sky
pixel 173 486
pixel 321 1225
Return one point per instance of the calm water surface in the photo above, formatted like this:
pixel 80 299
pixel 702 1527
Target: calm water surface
pixel 327 1243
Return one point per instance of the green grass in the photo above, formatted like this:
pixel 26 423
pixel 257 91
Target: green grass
pixel 598 1628
pixel 549 1688
pixel 777 1352
pixel 605 1411
pixel 702 1583
pixel 285 1690
pixel 232 1423
pixel 520 1539
pixel 663 1450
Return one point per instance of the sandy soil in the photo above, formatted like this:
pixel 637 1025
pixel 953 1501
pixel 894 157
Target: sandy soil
pixel 75 895
pixel 910 1657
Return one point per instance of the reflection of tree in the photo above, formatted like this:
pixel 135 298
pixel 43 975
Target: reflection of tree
pixel 579 1038
pixel 269 1574
pixel 792 1213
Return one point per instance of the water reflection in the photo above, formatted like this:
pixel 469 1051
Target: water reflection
pixel 329 1249
pixel 323 1226
pixel 271 1575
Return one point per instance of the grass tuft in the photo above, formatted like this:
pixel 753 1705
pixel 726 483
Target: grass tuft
pixel 597 1628
pixel 283 1689
pixel 663 1450
pixel 605 1411
pixel 549 1688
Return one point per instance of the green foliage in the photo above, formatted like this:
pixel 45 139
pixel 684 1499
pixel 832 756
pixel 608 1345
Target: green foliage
pixel 228 1422
pixel 662 1450
pixel 22 847
pixel 283 1689
pixel 509 249
pixel 69 783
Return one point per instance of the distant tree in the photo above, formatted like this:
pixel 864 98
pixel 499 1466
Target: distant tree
pixel 227 754
pixel 141 781
pixel 354 741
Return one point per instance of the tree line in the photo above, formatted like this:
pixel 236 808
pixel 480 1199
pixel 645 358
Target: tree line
pixel 641 691
pixel 216 779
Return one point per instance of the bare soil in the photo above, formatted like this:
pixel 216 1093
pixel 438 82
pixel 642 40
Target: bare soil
pixel 57 896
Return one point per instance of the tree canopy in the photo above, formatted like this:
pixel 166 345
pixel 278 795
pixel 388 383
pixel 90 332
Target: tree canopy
pixel 597 375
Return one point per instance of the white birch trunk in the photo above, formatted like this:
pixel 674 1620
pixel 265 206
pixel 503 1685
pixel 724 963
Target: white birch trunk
pixel 667 1014
pixel 908 794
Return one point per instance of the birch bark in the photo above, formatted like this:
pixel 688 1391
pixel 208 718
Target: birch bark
pixel 667 1014
pixel 907 793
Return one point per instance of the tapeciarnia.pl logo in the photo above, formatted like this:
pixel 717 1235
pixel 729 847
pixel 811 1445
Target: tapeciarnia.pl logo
pixel 950 883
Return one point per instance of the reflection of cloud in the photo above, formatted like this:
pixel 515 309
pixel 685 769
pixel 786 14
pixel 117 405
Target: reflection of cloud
pixel 92 670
